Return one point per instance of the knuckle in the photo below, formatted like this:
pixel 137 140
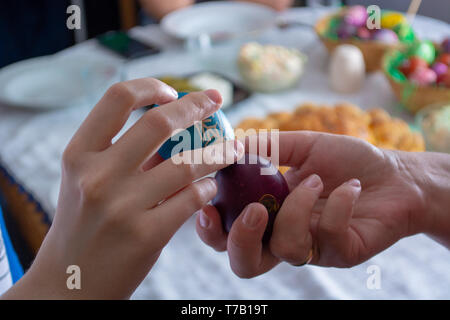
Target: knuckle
pixel 122 91
pixel 113 221
pixel 240 241
pixel 198 197
pixel 344 195
pixel 243 273
pixel 157 120
pixel 69 159
pixel 91 188
pixel 198 102
pixel 157 85
pixel 287 250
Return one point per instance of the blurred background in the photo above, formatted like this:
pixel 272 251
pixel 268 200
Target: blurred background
pixel 28 28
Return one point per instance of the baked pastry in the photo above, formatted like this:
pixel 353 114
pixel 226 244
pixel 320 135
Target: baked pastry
pixel 375 126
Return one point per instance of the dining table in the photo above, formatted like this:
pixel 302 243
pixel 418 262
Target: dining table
pixel 32 143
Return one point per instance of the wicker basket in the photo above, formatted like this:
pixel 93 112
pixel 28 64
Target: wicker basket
pixel 411 96
pixel 373 51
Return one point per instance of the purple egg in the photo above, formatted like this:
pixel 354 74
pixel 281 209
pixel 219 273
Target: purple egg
pixel 439 68
pixel 446 45
pixel 385 35
pixel 356 16
pixel 346 31
pixel 242 184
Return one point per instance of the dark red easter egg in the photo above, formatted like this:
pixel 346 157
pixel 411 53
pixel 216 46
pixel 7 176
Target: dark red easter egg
pixel 444 58
pixel 410 65
pixel 242 184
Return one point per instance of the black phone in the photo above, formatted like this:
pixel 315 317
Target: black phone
pixel 121 43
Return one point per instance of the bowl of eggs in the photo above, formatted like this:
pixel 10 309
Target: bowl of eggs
pixel 420 74
pixel 349 26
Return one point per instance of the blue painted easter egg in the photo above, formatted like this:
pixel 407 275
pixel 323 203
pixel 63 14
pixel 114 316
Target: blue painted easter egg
pixel 213 129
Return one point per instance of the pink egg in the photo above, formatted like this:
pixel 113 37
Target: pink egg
pixel 423 76
pixel 364 33
pixel 439 68
pixel 356 16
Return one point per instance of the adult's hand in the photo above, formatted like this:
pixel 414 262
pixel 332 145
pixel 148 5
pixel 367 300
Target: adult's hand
pixel 348 201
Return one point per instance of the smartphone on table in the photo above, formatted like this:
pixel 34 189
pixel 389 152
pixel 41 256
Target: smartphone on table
pixel 121 43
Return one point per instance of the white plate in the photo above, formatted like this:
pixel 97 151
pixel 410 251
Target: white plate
pixel 54 82
pixel 218 17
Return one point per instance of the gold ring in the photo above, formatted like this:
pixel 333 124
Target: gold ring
pixel 308 259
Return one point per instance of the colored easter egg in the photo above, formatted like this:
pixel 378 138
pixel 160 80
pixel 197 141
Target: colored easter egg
pixel 446 45
pixel 440 80
pixel 439 68
pixel 444 58
pixel 391 19
pixel 411 64
pixel 423 76
pixel 243 183
pixel 346 31
pixel 425 50
pixel 213 129
pixel 363 33
pixel 356 16
pixel 446 79
pixel 385 35
pixel 347 69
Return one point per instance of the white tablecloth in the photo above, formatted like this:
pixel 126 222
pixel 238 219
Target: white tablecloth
pixel 31 144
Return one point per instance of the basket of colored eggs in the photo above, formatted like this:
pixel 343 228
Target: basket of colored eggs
pixel 420 74
pixel 349 26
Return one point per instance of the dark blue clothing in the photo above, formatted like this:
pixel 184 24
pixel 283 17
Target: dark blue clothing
pixel 30 28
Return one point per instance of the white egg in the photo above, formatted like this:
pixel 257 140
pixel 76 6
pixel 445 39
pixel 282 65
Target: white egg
pixel 347 69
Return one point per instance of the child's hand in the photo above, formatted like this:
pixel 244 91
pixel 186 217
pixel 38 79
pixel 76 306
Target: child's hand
pixel 120 203
pixel 348 201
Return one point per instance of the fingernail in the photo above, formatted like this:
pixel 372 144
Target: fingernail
pixel 173 92
pixel 214 96
pixel 204 220
pixel 251 218
pixel 355 183
pixel 313 181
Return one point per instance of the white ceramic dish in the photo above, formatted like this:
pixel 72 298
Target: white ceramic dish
pixel 218 17
pixel 52 82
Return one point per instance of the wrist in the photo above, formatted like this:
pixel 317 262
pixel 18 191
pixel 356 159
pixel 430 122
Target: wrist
pixel 430 175
pixel 436 185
